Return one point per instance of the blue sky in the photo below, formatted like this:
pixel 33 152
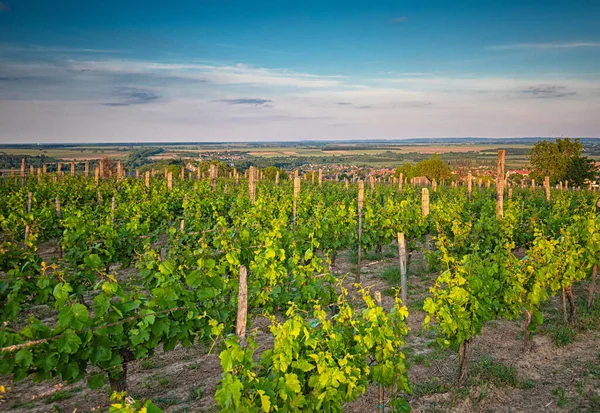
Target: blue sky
pixel 282 70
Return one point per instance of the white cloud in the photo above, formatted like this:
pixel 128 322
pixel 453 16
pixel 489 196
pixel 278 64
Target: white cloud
pixel 217 74
pixel 549 45
pixel 67 101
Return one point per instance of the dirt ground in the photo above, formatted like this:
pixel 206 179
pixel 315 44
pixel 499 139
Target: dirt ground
pixel 502 379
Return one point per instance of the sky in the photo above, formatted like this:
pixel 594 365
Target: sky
pixel 210 71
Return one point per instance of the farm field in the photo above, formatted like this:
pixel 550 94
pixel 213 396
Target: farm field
pixel 134 284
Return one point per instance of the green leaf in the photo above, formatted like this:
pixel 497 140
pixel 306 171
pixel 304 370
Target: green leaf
pixel 92 261
pixel 96 381
pixel 100 354
pixel 68 342
pixel 194 279
pixel 81 313
pixel 24 357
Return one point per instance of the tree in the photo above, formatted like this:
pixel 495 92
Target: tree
pixel 408 169
pixel 560 160
pixel 580 170
pixel 434 168
pixel 271 172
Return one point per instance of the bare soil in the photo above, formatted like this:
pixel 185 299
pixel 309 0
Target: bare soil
pixel 549 379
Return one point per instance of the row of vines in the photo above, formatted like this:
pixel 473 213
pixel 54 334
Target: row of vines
pixel 94 275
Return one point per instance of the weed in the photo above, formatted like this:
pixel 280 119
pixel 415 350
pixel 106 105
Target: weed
pixel 195 365
pixel 197 392
pixel 149 364
pixel 391 274
pixel 164 381
pixel 429 387
pixel 559 392
pixel 562 335
pixel 59 396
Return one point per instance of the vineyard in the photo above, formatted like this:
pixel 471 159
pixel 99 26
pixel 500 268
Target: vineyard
pixel 295 295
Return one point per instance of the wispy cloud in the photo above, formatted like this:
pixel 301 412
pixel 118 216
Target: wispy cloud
pixel 543 46
pixel 547 92
pixel 34 48
pixel 400 19
pixel 247 101
pixel 216 74
pixel 128 96
pixel 4 7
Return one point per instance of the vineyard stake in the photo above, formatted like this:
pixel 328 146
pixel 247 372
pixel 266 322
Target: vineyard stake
pixel 57 201
pixel 296 196
pixel 242 311
pixel 425 202
pixel 29 195
pixel 500 184
pixel 470 185
pixel 361 200
pixel 112 210
pixel 400 182
pixel 402 259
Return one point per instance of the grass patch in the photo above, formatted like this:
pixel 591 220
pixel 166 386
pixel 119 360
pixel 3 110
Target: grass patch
pixel 500 374
pixel 561 397
pixel 416 304
pixel 59 396
pixel 562 335
pixel 432 386
pixel 197 392
pixel 149 364
pixel 391 274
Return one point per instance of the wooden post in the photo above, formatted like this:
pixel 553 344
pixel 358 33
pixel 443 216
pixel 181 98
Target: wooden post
pixel 252 183
pixel 400 182
pixel 112 210
pixel 170 181
pixel 277 179
pixel 72 168
pixel 101 168
pixel 296 195
pixel 509 193
pixel 39 175
pixel 86 169
pixel 470 185
pixel 96 174
pixel 12 172
pixel 181 225
pixel 26 232
pixel 402 258
pixel 547 187
pixel 372 182
pixel 45 169
pixel 533 184
pixel 22 167
pixel 32 171
pixel 566 185
pixel 320 176
pixel 500 184
pixel 57 202
pixel 434 185
pixel 361 201
pixel 29 199
pixel 137 174
pixel 425 202
pixel 242 310
pixel 346 184
pixel 147 179
pixel 213 177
